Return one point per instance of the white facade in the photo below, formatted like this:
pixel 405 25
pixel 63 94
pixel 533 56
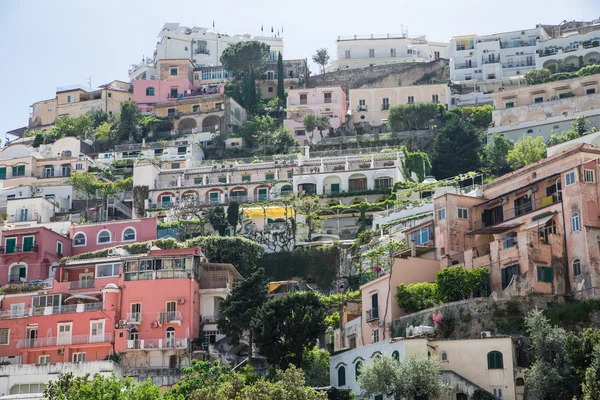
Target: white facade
pixel 27 379
pixel 360 51
pixel 33 209
pixel 563 52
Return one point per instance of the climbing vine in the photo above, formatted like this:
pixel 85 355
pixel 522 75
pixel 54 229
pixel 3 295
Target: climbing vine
pixel 140 194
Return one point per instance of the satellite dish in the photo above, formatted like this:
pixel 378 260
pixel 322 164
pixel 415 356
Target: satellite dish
pixel 149 245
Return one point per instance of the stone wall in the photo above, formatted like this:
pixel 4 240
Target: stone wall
pixel 381 76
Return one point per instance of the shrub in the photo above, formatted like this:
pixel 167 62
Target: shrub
pixel 417 297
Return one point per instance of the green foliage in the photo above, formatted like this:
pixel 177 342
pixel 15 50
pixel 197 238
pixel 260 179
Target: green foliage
pixel 496 152
pixel 286 326
pixel 152 123
pixel 416 297
pixel 589 70
pixel 335 300
pixel 245 57
pixel 68 126
pixel 310 208
pixel 415 162
pixel 18 288
pixel 537 76
pixel 255 131
pixel 455 148
pixel 240 252
pixel 480 394
pixel 323 123
pixel 405 117
pixel 233 215
pixel 200 375
pixel 316 367
pixel 106 131
pixel 578 129
pixel 318 265
pixel 71 387
pixel 580 350
pixel 458 283
pixel 84 182
pixel 415 377
pixel 572 313
pixel 561 76
pixel 280 76
pixel 309 121
pixel 129 116
pixel 140 194
pixel 248 92
pixel 216 217
pixel 333 320
pixel 526 151
pixel 321 58
pixel 480 116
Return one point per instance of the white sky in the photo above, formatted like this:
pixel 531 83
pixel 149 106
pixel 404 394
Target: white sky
pixel 50 43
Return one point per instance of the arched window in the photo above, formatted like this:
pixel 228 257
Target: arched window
pixel 103 236
pixel 575 222
pixel 520 382
pixel 79 239
pixel 149 91
pixel 357 368
pixel 576 267
pixel 129 235
pixel 444 356
pixel 495 360
pixel 170 337
pixel 341 376
pixel 396 355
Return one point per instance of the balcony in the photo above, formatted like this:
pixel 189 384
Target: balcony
pixel 372 314
pixel 64 341
pixel 18 249
pixel 518 64
pixel 15 314
pixel 134 318
pixel 152 344
pixel 210 319
pixel 83 284
pixel 465 65
pixel 66 309
pixel 159 274
pixel 361 107
pixel 170 317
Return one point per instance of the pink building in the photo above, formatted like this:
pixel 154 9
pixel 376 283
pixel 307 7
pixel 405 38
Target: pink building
pixel 29 254
pixel 146 93
pixel 327 100
pixel 101 235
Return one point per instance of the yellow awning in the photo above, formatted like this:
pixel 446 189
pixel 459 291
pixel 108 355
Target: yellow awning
pixel 271 212
pixel 275 285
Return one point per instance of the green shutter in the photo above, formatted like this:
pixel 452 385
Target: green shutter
pixel 11 244
pixel 548 274
pixel 27 243
pixel 270 177
pixel 245 178
pixel 2 172
pixel 539 274
pixel 504 278
pixel 335 188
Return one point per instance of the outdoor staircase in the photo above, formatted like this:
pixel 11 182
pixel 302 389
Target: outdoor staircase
pixel 120 206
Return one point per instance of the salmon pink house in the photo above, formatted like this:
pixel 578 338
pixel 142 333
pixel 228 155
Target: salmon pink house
pixel 92 237
pixel 29 254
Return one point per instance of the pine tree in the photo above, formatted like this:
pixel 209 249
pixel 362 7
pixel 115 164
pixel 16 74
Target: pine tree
pixel 280 75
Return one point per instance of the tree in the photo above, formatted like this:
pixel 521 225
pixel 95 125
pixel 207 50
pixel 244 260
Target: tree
pixel 86 183
pixel 256 131
pixel 323 123
pixel 241 306
pixel 406 117
pixel 105 131
pixel 310 124
pixel 233 215
pixel 316 367
pixel 455 148
pixel 216 217
pixel 547 377
pixel 458 283
pixel 526 151
pixel 241 252
pixel 284 327
pixel 68 126
pixel 321 58
pixel 71 387
pixel 416 297
pixel 99 117
pixel 496 152
pixel 129 117
pixel 200 375
pixel 280 76
pixel 192 217
pixel 309 207
pixel 579 125
pixel 537 76
pixel 249 96
pixel 245 57
pixel 413 378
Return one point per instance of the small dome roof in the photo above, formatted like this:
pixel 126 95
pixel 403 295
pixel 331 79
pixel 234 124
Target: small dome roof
pixel 429 179
pixel 111 286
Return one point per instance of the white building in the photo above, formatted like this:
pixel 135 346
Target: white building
pixel 360 51
pixel 203 46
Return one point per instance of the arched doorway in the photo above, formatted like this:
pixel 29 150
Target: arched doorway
pixel 212 123
pixel 187 125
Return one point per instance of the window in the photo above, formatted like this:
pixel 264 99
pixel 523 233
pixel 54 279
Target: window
pixel 421 236
pixel 507 274
pixel 129 235
pixel 175 165
pixel 510 104
pixel 28 242
pixel 520 382
pixel 376 335
pixel 170 112
pixel 44 359
pixel 383 183
pixel 463 213
pixel 103 237
pixel 590 91
pixel 213 197
pixel 327 97
pixel 78 357
pixel 246 178
pixel 170 337
pixel 69 98
pixel 107 270
pixel 410 100
pixel 173 71
pixel 497 391
pixel 441 214
pixel 79 166
pixel 347 54
pixel 371 53
pixel 385 103
pixel 269 177
pixel 396 355
pixel 18 170
pixel 435 98
pixel 303 98
pixel 26 388
pixel 392 52
pixel 494 359
pixel 2 172
pixel 575 222
pixel 576 267
pixel 4 335
pixel 270 75
pixel 538 100
pixel 64 333
pixel 181 150
pixel 47 301
pixel 197 181
pixel 109 95
pixel 262 194
pixel 10 245
pixel 588 175
pixel 59 247
pixel 444 356
pixel 341 376
pixel 174 93
pixel 222 179
pixel 136 312
pixel 17 310
pixel 300 132
pixel 436 55
pixel 357 368
pixel 544 274
pixel 97 331
pixel 570 178
pixel 270 89
pixel 79 239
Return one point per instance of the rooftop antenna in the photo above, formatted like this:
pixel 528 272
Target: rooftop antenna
pixel 89 81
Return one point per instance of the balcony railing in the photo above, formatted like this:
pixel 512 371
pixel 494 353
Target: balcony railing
pixel 134 318
pixel 525 208
pixel 15 313
pixel 465 65
pixel 210 319
pixel 372 314
pixel 166 317
pixel 83 284
pixel 151 344
pixel 517 64
pixel 159 274
pixel 64 341
pixel 66 309
pixel 214 283
pixel 361 107
pixel 18 249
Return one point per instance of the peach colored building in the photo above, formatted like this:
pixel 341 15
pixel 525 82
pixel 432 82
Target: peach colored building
pixel 101 235
pixel 536 229
pixel 372 104
pixel 326 100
